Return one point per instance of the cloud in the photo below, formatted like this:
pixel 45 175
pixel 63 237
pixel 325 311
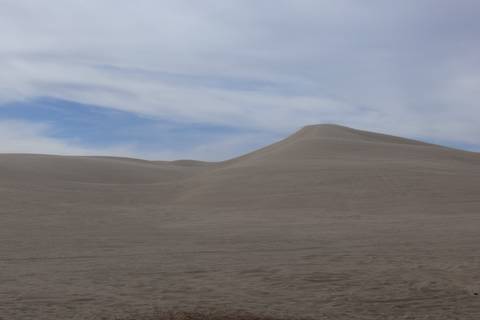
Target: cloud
pixel 403 67
pixel 18 136
pixel 63 127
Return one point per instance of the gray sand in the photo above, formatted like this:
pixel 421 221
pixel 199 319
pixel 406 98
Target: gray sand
pixel 330 223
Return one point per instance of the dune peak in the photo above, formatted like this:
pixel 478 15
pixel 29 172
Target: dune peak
pixel 340 132
pixel 327 130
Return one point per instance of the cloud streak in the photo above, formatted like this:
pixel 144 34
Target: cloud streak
pixel 409 68
pixel 65 127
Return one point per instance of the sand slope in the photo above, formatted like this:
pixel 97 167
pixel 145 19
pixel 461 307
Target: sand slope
pixel 331 223
pixel 334 167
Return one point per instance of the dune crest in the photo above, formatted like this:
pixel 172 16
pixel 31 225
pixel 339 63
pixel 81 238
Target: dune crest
pixel 329 223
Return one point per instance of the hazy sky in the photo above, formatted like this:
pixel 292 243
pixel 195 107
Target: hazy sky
pixel 212 79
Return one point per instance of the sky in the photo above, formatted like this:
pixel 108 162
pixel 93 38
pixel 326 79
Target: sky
pixel 213 79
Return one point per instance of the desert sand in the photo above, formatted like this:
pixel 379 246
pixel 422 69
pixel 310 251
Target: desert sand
pixel 330 223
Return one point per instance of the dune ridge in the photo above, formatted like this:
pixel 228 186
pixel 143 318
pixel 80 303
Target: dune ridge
pixel 329 223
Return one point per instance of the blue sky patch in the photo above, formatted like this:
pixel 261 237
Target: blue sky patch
pixel 98 127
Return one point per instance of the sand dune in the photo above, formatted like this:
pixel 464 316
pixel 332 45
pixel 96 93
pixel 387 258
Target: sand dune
pixel 329 223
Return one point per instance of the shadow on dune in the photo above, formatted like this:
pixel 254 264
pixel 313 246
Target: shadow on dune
pixel 202 315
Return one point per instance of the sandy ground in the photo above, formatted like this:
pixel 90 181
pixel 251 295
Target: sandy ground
pixel 330 223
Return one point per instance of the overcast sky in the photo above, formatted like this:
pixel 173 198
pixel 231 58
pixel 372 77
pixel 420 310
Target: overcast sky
pixel 211 79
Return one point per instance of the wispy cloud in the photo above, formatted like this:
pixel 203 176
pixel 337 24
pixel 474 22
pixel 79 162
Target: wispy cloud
pixel 27 137
pixel 404 67
pixel 63 127
pixel 38 138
